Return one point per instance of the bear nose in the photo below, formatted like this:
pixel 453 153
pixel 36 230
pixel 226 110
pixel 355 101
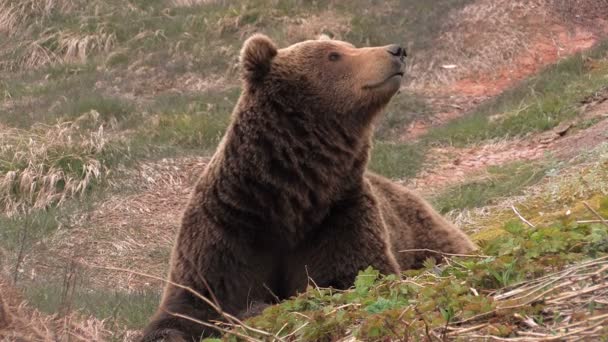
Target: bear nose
pixel 397 51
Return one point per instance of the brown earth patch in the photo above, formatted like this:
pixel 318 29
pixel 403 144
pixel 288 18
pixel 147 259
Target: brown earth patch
pixel 548 42
pixel 453 165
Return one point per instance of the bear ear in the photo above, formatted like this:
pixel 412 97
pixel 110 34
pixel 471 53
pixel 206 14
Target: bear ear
pixel 324 36
pixel 256 57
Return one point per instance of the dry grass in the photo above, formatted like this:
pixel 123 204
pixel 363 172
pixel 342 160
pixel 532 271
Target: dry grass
pixel 581 11
pixel 567 295
pixel 57 47
pixel 312 26
pixel 32 49
pixel 130 230
pixel 188 3
pixel 19 322
pixel 15 14
pixel 483 36
pixel 48 164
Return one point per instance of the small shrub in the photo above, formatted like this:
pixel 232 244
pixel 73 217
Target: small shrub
pixel 46 165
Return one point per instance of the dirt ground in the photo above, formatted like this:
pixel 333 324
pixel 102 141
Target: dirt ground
pixel 546 47
pixel 453 165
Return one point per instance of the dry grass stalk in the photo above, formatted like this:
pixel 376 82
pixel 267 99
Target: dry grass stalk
pixel 443 253
pixel 48 164
pixel 567 296
pixel 523 219
pixel 189 3
pixel 57 47
pixel 216 327
pixel 15 14
pixel 52 45
pixel 596 214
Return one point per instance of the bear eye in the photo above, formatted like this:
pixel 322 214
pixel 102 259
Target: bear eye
pixel 334 56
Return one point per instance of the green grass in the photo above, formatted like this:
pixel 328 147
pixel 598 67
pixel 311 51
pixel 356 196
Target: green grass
pixel 120 309
pixel 36 225
pixel 402 110
pixel 175 41
pixel 66 92
pixel 108 107
pixel 396 160
pixel 502 181
pixel 194 123
pixel 537 104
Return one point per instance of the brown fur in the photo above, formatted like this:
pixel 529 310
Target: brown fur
pixel 286 196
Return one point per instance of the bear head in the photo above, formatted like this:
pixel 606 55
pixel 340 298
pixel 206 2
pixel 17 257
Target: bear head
pixel 329 78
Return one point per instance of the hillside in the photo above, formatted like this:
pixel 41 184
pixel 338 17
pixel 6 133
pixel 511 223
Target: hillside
pixel 110 109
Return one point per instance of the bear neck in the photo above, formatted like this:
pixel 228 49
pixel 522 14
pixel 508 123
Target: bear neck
pixel 280 169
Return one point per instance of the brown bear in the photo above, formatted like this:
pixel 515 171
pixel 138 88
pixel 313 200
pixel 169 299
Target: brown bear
pixel 286 197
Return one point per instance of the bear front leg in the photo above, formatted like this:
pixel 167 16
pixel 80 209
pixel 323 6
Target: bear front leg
pixel 216 266
pixel 350 239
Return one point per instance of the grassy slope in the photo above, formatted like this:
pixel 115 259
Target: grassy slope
pixel 130 54
pixel 89 87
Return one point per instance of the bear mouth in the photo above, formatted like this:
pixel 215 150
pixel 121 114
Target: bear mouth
pixel 379 84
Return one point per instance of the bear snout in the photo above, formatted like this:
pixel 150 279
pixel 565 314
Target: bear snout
pixel 397 51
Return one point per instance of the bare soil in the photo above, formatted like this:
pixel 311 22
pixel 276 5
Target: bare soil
pixel 546 47
pixel 452 165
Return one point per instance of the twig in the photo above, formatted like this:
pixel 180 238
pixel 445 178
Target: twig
pixel 276 298
pixel 211 293
pixel 587 319
pixel 455 331
pixel 443 253
pixel 560 274
pixel 531 289
pixel 312 280
pixel 298 329
pixel 521 217
pixel 213 326
pixel 342 307
pixel 569 295
pixel 603 220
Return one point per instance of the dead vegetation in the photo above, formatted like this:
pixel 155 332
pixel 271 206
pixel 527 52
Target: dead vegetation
pixel 483 40
pixel 46 165
pixel 484 36
pixel 566 295
pixel 20 322
pixel 14 14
